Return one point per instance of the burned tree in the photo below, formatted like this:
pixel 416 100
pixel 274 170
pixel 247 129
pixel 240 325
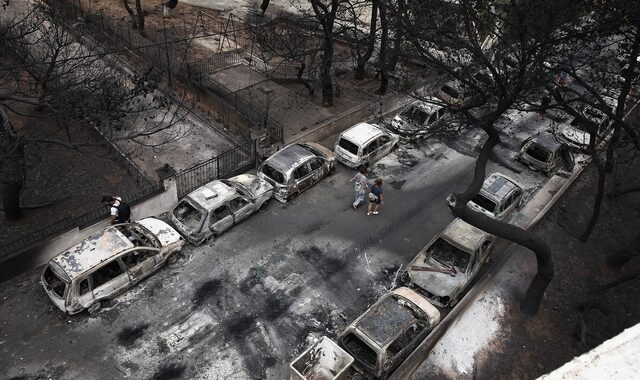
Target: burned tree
pixel 287 39
pixel 497 77
pixel 362 44
pixel 51 73
pixel 593 80
pixel 325 13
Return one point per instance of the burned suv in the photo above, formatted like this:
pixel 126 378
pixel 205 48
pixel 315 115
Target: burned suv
pixel 108 263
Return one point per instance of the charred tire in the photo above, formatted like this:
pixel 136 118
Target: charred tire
pixel 94 307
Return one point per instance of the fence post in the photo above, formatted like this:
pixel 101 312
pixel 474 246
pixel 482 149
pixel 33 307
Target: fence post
pixel 218 167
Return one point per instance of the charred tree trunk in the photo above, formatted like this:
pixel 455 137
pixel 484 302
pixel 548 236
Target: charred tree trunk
pixel 382 60
pixel 602 175
pixel 130 12
pixel 140 13
pixel 458 205
pixel 326 17
pixel 397 37
pixel 371 39
pixel 304 82
pixel 11 200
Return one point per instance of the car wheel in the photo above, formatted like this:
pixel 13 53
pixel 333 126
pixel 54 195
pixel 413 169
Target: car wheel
pixel 293 196
pixel 94 307
pixel 332 170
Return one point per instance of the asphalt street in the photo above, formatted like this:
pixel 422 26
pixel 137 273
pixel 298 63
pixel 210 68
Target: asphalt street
pixel 245 305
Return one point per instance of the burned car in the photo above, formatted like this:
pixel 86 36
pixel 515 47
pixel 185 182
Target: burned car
pixel 108 263
pixel 215 207
pixel 498 197
pixel 445 268
pixel 420 120
pixel 387 333
pixel 543 152
pixel 295 168
pixel 576 135
pixel 364 144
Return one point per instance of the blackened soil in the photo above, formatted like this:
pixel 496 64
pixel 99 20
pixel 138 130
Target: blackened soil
pixel 129 335
pixel 168 372
pixel 207 291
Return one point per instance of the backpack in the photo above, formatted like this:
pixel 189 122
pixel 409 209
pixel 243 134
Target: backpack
pixel 124 212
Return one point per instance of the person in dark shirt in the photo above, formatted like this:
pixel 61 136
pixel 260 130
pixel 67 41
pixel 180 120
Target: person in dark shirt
pixel 375 197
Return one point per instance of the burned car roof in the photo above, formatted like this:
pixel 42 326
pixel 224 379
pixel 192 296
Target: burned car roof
pixel 289 157
pixel 211 194
pixel 92 251
pixel 361 133
pixel 497 186
pixel 383 322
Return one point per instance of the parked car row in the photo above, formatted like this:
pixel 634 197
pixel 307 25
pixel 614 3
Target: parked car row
pixel 116 258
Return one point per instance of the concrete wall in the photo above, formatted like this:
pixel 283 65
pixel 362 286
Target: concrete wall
pixel 42 253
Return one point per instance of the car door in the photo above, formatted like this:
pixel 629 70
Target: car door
pixel 303 176
pixel 110 279
pixel 141 262
pixel 317 165
pixel 83 292
pixel 241 208
pixel 369 151
pixel 221 219
pixel 385 143
pixel 511 203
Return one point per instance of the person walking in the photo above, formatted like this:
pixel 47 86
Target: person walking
pixel 119 210
pixel 376 198
pixel 360 186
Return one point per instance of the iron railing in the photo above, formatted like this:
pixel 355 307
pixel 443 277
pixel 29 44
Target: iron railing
pixel 227 164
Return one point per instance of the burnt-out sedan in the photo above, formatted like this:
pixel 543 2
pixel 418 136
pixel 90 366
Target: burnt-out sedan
pixel 444 269
pixel 295 168
pixel 387 333
pixel 543 152
pixel 215 207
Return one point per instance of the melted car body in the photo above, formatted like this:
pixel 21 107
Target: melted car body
pixel 385 335
pixel 420 119
pixel 364 144
pixel 295 168
pixel 446 266
pixel 219 205
pixel 108 263
pixel 543 152
pixel 498 197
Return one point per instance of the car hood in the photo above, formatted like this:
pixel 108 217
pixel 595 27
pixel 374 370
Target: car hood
pixel 252 184
pixel 436 282
pixel 164 232
pixel 574 135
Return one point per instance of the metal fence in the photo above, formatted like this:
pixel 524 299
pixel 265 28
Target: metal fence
pixel 257 118
pixel 227 164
